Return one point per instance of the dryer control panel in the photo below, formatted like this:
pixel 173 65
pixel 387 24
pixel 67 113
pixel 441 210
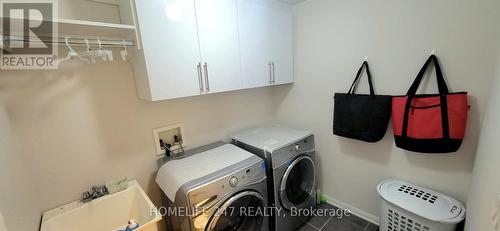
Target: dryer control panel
pixel 282 155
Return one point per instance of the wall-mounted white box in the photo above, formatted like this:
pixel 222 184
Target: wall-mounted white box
pixel 167 134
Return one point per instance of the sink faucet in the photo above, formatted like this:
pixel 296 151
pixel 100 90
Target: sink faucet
pixel 94 193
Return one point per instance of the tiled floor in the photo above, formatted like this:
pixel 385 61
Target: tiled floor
pixel 335 223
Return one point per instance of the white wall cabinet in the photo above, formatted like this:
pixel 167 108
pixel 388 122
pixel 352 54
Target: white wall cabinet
pixel 166 67
pixel 219 44
pixel 266 42
pixel 255 48
pixel 208 46
pixel 281 44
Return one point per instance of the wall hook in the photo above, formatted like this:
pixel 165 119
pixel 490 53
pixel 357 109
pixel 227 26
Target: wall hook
pixel 433 52
pixel 366 58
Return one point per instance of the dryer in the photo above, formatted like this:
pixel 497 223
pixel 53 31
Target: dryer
pixel 215 187
pixel 291 171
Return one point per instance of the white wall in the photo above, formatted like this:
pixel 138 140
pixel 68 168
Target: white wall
pixel 18 204
pixel 331 39
pixel 485 189
pixel 64 131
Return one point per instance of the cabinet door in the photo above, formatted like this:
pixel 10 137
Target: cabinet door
pixel 255 47
pixel 282 43
pixel 218 35
pixel 171 50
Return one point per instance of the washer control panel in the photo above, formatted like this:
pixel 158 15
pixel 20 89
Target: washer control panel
pixel 212 192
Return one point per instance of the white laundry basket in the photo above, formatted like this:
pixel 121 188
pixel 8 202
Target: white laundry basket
pixel 408 207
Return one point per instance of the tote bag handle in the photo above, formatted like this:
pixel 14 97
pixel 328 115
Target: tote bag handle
pixel 443 91
pixel 354 85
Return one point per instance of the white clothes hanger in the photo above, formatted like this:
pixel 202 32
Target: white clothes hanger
pixel 105 55
pixel 92 54
pixel 71 53
pixel 124 52
pixel 92 58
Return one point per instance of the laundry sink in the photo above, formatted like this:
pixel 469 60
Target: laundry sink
pixel 108 213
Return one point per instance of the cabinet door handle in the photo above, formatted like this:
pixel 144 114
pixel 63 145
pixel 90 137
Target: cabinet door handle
pixel 274 75
pixel 200 80
pixel 206 77
pixel 270 73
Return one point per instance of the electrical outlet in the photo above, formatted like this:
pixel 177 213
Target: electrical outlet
pixel 167 134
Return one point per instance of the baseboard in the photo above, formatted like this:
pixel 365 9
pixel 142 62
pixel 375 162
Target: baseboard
pixel 358 212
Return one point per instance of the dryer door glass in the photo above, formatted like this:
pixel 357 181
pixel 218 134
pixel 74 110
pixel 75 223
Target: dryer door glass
pixel 242 212
pixel 297 184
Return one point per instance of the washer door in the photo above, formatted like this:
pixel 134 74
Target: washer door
pixel 243 211
pixel 297 185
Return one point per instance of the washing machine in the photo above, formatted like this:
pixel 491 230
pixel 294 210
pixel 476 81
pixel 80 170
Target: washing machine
pixel 216 187
pixel 289 155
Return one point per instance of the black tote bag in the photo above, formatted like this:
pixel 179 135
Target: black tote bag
pixel 361 116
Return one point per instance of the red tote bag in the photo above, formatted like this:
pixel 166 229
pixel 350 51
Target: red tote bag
pixel 430 123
